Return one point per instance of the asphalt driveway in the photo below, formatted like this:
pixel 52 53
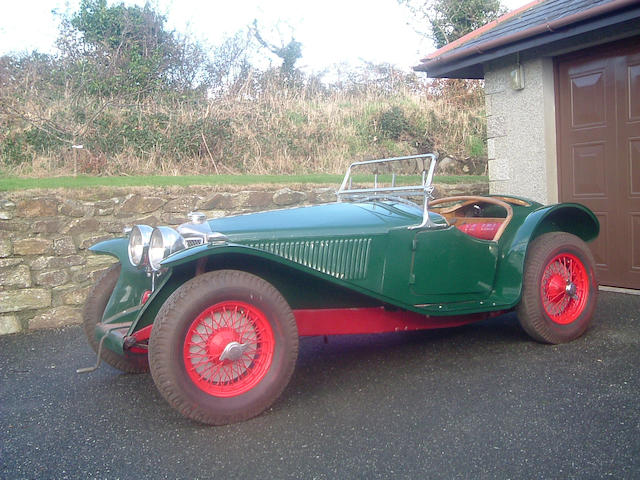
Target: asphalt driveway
pixel 481 401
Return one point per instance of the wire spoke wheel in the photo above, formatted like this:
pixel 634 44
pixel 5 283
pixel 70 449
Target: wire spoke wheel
pixel 559 288
pixel 564 288
pixel 228 349
pixel 223 347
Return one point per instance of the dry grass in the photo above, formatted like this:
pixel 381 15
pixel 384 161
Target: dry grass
pixel 264 128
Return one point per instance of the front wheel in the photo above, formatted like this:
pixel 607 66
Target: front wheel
pixel 223 347
pixel 559 290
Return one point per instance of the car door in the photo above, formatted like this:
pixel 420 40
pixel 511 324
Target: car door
pixel 448 265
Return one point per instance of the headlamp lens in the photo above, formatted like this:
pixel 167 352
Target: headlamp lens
pixel 138 242
pixel 164 241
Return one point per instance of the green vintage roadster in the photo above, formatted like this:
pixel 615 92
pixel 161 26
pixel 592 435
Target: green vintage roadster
pixel 215 308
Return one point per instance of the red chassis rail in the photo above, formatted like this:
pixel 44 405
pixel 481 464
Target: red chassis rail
pixel 352 321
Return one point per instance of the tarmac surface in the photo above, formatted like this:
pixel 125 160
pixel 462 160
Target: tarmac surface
pixel 481 401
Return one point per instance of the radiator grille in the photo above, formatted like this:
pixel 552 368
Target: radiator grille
pixel 192 242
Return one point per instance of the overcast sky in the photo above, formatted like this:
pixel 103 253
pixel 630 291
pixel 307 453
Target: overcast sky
pixel 331 31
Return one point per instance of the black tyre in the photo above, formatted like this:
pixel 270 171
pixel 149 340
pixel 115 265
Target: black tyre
pixel 92 315
pixel 223 347
pixel 559 291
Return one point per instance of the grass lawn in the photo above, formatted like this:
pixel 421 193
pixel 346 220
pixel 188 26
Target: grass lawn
pixel 15 183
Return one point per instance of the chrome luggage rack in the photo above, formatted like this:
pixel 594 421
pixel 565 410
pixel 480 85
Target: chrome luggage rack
pixel 427 162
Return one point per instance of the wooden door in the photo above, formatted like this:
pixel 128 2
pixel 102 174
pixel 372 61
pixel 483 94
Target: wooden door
pixel 598 115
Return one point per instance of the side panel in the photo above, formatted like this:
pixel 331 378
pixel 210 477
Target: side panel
pixel 354 262
pixel 357 259
pixel 388 277
pixel 449 262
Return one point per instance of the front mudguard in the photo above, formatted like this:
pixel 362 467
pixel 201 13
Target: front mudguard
pixel 131 286
pixel 125 304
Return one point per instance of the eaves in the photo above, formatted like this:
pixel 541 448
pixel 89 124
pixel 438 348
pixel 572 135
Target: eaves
pixel 548 39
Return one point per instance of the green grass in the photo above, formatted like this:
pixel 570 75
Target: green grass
pixel 16 183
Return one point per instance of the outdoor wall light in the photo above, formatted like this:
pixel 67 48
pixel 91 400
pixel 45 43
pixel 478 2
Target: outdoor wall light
pixel 517 77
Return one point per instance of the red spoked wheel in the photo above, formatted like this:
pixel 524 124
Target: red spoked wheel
pixel 223 347
pixel 564 288
pixel 559 290
pixel 228 349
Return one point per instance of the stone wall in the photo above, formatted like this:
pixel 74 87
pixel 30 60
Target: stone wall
pixel 46 270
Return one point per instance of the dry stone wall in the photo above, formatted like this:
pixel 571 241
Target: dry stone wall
pixel 46 270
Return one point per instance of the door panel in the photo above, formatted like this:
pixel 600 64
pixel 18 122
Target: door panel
pixel 635 241
pixel 589 169
pixel 588 86
pixel 449 262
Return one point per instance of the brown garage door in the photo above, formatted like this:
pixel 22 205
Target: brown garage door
pixel 598 108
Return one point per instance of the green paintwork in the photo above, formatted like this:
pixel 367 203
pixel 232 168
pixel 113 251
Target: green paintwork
pixel 133 282
pixel 328 221
pixel 357 254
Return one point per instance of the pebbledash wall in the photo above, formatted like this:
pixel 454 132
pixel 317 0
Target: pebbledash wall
pixel 521 130
pixel 46 270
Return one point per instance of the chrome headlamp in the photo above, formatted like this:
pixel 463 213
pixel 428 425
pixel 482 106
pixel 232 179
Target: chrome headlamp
pixel 138 243
pixel 164 241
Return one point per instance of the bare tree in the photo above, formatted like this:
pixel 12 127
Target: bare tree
pixel 289 53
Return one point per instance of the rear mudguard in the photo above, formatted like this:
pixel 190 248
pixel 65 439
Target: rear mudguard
pixel 567 217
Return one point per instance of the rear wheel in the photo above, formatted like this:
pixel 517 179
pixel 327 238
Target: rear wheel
pixel 559 290
pixel 223 347
pixel 92 314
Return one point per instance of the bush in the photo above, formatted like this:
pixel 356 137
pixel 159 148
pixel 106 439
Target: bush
pixel 393 123
pixel 13 149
